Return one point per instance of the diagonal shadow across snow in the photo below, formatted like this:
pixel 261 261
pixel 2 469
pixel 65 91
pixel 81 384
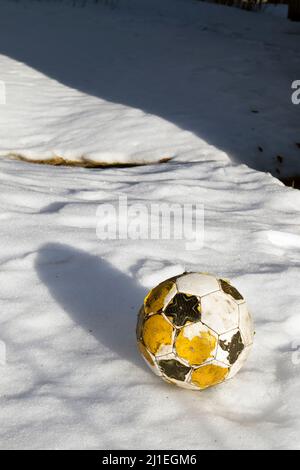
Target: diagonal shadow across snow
pixel 97 296
pixel 125 85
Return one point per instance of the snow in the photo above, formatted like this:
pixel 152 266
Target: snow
pixel 149 80
pixel 73 377
pixel 276 9
pixel 68 301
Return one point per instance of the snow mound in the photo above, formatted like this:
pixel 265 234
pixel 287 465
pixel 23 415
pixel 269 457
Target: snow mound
pixel 148 81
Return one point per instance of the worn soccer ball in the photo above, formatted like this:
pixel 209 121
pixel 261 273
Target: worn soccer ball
pixel 194 330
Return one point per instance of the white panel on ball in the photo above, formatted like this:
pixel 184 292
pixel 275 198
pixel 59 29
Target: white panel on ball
pixel 219 312
pixel 197 284
pixel 246 324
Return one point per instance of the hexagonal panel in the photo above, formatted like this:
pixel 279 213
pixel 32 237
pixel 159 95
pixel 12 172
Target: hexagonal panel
pixel 196 343
pixel 219 312
pixel 230 347
pixel 158 335
pixel 149 359
pixel 140 323
pixel 187 385
pixel 182 309
pixel 209 374
pixel 159 296
pixel 197 284
pixel 246 324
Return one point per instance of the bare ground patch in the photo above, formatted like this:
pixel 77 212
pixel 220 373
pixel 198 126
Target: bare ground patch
pixel 83 163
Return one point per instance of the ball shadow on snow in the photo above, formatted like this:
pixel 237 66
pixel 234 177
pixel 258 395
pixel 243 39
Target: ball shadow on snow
pixel 97 296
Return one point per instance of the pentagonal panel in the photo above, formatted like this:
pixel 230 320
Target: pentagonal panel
pixel 239 363
pixel 209 374
pixel 196 343
pixel 183 309
pixel 158 335
pixel 219 312
pixel 197 284
pixel 246 324
pixel 231 290
pixel 160 296
pixel 173 369
pixel 230 347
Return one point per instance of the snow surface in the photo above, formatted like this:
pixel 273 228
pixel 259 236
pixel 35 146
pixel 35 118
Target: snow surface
pixel 73 377
pixel 149 80
pixel 276 9
pixel 68 301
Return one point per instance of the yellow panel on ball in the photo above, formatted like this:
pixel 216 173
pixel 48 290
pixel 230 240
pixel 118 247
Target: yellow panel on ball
pixel 209 375
pixel 155 300
pixel 158 334
pixel 145 353
pixel 196 344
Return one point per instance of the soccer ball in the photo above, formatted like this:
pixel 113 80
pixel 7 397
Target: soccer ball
pixel 194 330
